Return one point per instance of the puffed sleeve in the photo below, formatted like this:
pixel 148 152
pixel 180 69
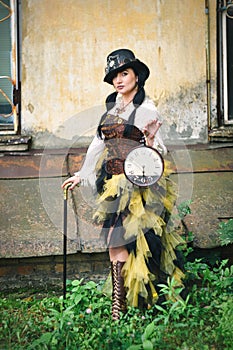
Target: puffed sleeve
pixel 146 112
pixel 87 171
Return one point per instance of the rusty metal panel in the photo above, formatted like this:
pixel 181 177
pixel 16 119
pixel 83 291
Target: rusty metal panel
pixel 201 160
pixel 31 165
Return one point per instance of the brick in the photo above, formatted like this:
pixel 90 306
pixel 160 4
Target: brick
pixel 7 271
pixel 25 270
pixel 82 267
pixel 100 266
pixel 58 268
pixel 45 268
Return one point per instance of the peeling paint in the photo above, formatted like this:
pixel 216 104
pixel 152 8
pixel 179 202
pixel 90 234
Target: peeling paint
pixel 184 115
pixel 30 107
pixel 63 62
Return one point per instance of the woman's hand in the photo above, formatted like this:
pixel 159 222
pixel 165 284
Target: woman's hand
pixel 150 131
pixel 74 181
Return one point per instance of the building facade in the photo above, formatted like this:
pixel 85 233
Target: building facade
pixel 52 59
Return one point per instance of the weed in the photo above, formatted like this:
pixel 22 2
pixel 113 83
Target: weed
pixel 226 232
pixel 203 320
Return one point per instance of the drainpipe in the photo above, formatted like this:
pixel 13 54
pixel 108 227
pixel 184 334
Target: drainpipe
pixel 220 110
pixel 207 49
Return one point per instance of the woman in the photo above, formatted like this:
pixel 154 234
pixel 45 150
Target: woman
pixel 135 220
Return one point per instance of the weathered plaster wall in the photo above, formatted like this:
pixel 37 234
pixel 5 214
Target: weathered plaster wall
pixel 64 49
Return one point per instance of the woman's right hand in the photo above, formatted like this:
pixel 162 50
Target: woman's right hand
pixel 73 180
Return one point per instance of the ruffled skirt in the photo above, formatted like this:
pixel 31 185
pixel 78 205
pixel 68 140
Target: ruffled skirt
pixel 140 219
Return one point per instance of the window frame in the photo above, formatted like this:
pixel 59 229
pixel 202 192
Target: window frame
pixel 224 90
pixel 15 100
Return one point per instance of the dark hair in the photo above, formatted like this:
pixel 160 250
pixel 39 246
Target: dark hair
pixel 137 101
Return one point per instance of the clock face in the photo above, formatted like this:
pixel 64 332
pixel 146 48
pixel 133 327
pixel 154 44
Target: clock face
pixel 143 166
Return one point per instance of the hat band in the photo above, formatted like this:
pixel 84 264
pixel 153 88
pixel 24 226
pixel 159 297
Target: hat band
pixel 116 61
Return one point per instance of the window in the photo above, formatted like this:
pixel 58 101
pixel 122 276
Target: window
pixel 9 72
pixel 225 62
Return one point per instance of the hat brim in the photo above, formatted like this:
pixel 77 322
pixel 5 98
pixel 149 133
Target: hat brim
pixel 138 66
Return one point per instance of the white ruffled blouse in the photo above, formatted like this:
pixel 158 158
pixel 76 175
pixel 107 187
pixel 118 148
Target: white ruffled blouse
pixel 145 112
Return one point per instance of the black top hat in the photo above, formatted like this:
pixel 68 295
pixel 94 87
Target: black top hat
pixel 121 59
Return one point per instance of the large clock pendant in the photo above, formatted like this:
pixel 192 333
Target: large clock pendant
pixel 143 166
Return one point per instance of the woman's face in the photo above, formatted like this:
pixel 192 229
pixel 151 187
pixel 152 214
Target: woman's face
pixel 125 82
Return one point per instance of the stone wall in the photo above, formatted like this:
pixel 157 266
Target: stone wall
pixel 42 273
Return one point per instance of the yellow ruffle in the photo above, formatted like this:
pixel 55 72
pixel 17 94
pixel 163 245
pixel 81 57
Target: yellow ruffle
pixel 106 202
pixel 137 275
pixel 118 187
pixel 168 168
pixel 145 207
pixel 113 187
pixel 170 241
pixel 134 224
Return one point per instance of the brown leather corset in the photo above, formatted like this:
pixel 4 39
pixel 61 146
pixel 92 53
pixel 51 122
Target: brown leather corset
pixel 117 144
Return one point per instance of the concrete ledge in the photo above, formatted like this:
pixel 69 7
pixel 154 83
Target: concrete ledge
pixel 32 200
pixel 32 218
pixel 211 197
pixel 14 143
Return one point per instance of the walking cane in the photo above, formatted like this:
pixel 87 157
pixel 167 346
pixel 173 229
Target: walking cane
pixel 65 239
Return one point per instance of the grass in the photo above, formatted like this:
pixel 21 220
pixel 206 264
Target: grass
pixel 202 321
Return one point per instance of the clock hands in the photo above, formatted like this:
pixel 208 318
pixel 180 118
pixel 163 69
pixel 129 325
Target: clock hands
pixel 143 166
pixel 143 170
pixel 143 174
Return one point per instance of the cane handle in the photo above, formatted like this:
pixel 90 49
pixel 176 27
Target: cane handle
pixel 65 190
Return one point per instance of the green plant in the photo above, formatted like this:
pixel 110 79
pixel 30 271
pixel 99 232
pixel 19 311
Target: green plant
pixel 202 320
pixel 226 232
pixel 184 209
